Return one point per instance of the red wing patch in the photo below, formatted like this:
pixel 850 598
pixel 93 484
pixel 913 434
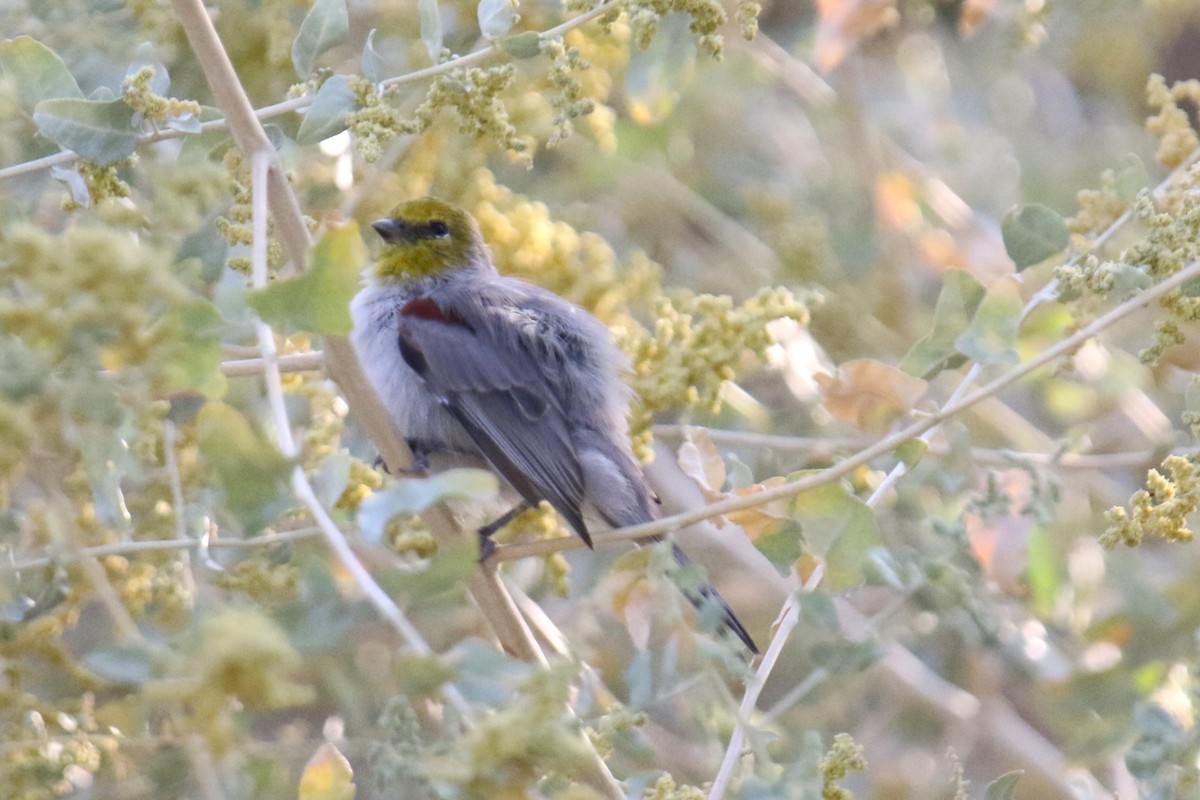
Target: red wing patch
pixel 426 308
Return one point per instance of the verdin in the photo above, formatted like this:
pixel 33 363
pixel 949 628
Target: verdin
pixel 469 361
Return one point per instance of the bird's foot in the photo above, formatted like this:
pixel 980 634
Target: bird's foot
pixel 487 547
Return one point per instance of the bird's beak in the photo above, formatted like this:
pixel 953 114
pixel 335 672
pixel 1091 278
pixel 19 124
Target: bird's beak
pixel 390 230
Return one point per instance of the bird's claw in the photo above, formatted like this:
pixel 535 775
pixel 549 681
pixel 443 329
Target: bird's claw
pixel 487 549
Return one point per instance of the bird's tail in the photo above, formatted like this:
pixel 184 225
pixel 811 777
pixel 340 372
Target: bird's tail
pixel 705 594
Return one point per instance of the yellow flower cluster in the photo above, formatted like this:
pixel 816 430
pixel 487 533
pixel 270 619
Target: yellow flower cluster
pixel 844 757
pixel 237 654
pixel 1098 208
pixel 154 108
pixel 532 735
pixel 617 719
pixel 102 182
pixel 707 18
pixel 473 95
pixel 1171 241
pixel 568 100
pixel 110 295
pixel 665 788
pixel 235 225
pixel 1161 509
pixel 695 345
pixel 1171 124
pixel 264 580
pixel 528 243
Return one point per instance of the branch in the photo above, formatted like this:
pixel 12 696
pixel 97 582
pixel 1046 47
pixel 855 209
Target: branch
pixel 343 366
pixel 823 447
pixel 302 102
pixel 882 447
pixel 154 545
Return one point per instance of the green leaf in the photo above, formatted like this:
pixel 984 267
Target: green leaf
pixel 1004 787
pixel 880 569
pixel 332 478
pixel 1131 177
pixel 523 45
pixel 421 675
pixel 100 131
pixel 956 304
pixel 496 17
pixel 992 335
pixel 195 362
pixel 327 114
pixel 441 582
pixel 839 528
pixel 1191 396
pixel 782 543
pixel 253 474
pixel 317 301
pixel 414 495
pixel 1032 234
pixel 1128 280
pixel 23 369
pixel 203 146
pixel 431 28
pixel 326 25
pixel 208 247
pixel 37 72
pixel 371 63
pixel 121 664
pixel 911 452
pixel 327 776
pixel 72 178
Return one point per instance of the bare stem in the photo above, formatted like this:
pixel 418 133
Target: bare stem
pixel 868 454
pixel 302 102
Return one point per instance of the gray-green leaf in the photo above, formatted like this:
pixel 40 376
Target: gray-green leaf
pixel 37 72
pixel 1032 234
pixel 326 24
pixel 327 114
pixel 145 56
pixel 121 664
pixel 100 131
pixel 496 17
pixel 413 495
pixel 1004 787
pixel 991 337
pixel 431 28
pixel 956 305
pixel 371 63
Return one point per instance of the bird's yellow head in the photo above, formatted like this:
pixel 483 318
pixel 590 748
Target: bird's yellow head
pixel 427 237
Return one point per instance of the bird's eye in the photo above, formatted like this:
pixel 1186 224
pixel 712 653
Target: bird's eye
pixel 439 229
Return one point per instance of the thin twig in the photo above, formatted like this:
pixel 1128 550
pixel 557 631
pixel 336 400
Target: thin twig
pixel 341 361
pixel 387 608
pixel 303 101
pixel 293 362
pixel 868 454
pixel 789 618
pixel 827 446
pixel 158 545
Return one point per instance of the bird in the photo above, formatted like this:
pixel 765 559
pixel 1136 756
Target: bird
pixel 469 361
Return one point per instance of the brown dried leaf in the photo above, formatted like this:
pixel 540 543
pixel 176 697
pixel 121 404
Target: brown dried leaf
pixel 764 519
pixel 634 603
pixel 869 394
pixel 972 15
pixel 700 461
pixel 896 203
pixel 842 24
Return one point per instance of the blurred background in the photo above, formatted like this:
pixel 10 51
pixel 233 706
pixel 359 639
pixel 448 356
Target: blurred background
pixel 860 154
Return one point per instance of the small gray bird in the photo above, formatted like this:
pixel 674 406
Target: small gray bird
pixel 472 362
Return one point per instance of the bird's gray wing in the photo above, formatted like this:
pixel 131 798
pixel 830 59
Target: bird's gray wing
pixel 492 383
